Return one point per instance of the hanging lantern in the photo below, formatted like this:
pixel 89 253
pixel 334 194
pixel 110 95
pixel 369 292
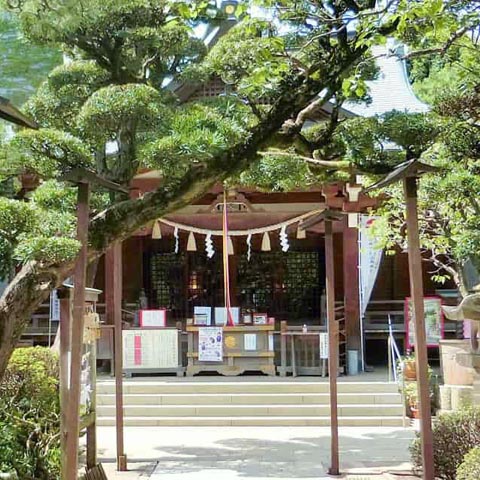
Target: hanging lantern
pixel 266 246
pixel 230 250
pixel 301 232
pixel 191 243
pixel 156 230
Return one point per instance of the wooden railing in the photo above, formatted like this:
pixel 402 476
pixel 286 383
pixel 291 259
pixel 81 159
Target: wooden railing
pixel 300 350
pixel 378 311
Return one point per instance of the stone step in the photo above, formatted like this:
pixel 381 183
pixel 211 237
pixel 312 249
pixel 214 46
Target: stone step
pixel 260 421
pixel 249 410
pixel 273 387
pixel 248 398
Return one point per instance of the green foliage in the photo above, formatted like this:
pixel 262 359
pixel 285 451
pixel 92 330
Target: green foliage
pixel 469 469
pixel 48 153
pixel 259 60
pixel 199 131
pixel 29 415
pixel 58 100
pixel 454 435
pixel 269 174
pixel 56 250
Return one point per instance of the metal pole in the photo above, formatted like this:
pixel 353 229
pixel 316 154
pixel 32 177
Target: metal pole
pixel 332 346
pixel 416 292
pixel 73 413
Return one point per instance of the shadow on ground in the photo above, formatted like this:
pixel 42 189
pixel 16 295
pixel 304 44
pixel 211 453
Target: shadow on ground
pixel 291 457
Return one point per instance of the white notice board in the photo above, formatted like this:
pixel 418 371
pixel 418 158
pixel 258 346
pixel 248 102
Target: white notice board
pixel 323 345
pixel 150 349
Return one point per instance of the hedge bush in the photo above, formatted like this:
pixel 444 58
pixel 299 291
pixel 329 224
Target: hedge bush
pixel 454 435
pixel 30 415
pixel 469 469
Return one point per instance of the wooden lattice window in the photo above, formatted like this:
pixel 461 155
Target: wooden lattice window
pixel 165 282
pixel 287 286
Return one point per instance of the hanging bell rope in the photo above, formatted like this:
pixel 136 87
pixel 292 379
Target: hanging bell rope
pixel 226 267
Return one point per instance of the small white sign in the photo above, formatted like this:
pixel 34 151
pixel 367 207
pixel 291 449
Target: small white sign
pixel 270 342
pixel 153 318
pixel 250 342
pixel 54 306
pixel 323 345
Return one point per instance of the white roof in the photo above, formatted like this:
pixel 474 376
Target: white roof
pixel 392 89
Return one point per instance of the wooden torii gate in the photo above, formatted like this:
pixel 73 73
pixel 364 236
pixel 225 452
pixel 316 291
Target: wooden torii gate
pixel 408 173
pixel 70 383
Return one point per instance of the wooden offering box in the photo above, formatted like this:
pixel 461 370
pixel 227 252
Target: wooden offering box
pixel 241 348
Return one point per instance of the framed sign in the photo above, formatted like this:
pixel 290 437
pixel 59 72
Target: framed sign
pixel 153 318
pixel 260 319
pixel 221 315
pixel 434 321
pixel 202 315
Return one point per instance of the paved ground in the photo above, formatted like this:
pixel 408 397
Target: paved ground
pixel 284 453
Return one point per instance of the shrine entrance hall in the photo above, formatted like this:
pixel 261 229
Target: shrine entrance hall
pixel 276 279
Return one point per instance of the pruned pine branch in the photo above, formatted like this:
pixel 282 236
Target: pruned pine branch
pixel 441 50
pixel 341 165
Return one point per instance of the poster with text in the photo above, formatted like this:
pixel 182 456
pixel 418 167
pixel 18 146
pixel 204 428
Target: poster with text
pixel 434 321
pixel 210 344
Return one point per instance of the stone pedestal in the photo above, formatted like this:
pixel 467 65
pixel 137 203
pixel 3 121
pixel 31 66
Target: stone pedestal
pixel 456 362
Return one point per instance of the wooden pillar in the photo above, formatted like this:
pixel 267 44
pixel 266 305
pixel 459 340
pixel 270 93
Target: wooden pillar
pixel 65 325
pixel 351 286
pixel 416 292
pixel 73 412
pixel 91 454
pixel 332 346
pixel 113 304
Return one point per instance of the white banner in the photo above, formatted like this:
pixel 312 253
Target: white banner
pixel 370 257
pixel 54 306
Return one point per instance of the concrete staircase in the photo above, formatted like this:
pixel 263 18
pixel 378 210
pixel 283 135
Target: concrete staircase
pixel 156 402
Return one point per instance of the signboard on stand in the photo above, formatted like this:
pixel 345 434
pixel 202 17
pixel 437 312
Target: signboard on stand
pixel 210 344
pixel 434 321
pixel 150 349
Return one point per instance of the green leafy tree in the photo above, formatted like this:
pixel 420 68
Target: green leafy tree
pixel 114 109
pixel 448 201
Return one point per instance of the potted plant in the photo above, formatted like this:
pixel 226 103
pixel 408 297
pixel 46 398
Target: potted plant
pixel 411 398
pixel 407 368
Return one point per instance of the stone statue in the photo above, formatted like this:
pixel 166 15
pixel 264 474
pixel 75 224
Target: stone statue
pixel 469 309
